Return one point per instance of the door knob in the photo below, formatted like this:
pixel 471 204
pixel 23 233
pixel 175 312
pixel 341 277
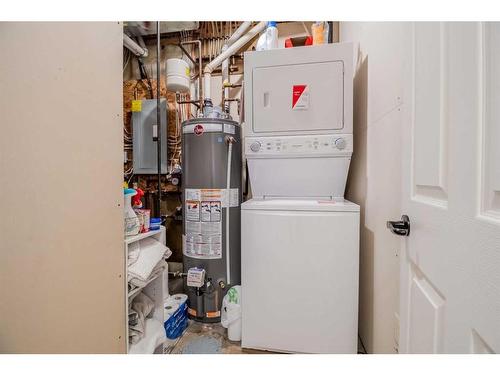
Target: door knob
pixel 401 228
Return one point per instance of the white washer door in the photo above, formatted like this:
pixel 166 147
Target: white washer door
pixel 300 281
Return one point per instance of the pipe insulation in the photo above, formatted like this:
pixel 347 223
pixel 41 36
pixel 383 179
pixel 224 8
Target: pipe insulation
pixel 135 48
pixel 235 47
pixel 238 33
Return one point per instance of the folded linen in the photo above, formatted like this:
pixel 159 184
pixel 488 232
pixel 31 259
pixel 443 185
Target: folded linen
pixel 154 336
pixel 150 253
pixel 134 249
pixel 135 282
pixel 142 305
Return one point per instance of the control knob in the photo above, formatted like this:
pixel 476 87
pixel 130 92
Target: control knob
pixel 340 143
pixel 255 146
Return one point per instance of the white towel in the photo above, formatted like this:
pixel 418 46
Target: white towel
pixel 151 252
pixel 142 305
pixel 155 335
pixel 139 283
pixel 134 249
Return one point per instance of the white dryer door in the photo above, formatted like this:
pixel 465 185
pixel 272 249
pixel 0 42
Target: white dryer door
pixel 300 281
pixel 299 97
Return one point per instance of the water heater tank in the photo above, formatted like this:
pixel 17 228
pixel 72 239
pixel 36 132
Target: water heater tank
pixel 211 242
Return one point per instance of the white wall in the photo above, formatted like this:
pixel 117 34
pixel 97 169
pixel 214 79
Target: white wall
pixel 375 174
pixel 62 260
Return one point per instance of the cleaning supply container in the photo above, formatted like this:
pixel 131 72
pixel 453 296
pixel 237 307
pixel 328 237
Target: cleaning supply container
pixel 131 221
pixel 320 30
pixel 154 223
pixel 269 38
pixel 231 313
pixel 272 35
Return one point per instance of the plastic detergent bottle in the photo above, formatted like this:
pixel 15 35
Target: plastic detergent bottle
pixel 320 30
pixel 272 35
pixel 131 223
pixel 268 39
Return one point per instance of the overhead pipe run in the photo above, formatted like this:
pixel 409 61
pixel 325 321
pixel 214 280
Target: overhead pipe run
pixel 142 43
pixel 135 48
pixel 225 64
pixel 200 68
pixel 238 33
pixel 231 50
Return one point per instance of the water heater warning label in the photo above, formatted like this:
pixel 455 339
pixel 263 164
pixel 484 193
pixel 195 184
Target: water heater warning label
pixel 300 97
pixel 203 238
pixel 226 198
pixel 211 211
pixel 193 210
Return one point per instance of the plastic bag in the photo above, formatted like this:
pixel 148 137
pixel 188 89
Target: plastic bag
pixel 231 313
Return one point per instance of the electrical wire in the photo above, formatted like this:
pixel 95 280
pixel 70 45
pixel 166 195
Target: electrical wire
pixel 131 175
pixel 146 76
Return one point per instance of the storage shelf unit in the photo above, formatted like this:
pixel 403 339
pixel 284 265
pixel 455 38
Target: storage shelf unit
pixel 155 287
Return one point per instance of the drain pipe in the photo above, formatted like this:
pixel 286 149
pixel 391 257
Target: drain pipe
pixel 135 48
pixel 225 64
pixel 158 117
pixel 141 42
pixel 200 68
pixel 235 47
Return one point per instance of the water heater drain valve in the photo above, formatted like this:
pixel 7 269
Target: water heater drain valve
pixel 196 277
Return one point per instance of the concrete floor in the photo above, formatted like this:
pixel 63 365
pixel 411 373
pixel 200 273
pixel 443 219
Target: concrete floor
pixel 200 338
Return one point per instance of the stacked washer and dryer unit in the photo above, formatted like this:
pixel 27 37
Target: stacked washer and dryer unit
pixel 300 237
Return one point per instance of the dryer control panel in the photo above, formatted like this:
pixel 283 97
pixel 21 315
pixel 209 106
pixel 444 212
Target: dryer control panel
pixel 290 146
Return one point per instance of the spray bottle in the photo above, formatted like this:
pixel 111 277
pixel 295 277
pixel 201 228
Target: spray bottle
pixel 131 221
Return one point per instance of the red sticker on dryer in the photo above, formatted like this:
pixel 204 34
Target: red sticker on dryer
pixel 300 97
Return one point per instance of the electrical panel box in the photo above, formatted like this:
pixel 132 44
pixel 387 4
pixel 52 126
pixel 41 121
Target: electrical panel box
pixel 299 91
pixel 144 133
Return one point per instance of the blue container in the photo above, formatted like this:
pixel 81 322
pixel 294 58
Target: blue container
pixel 154 223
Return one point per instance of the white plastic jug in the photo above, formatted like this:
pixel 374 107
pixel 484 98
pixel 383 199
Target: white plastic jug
pixel 269 38
pixel 231 313
pixel 131 224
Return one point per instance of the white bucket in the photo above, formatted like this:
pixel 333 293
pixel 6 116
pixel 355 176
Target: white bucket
pixel 178 75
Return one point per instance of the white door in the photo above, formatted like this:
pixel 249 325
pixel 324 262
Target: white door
pixel 450 263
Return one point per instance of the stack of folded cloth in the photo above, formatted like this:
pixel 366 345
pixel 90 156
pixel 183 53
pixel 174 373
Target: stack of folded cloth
pixel 146 260
pixel 145 333
pixel 140 308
